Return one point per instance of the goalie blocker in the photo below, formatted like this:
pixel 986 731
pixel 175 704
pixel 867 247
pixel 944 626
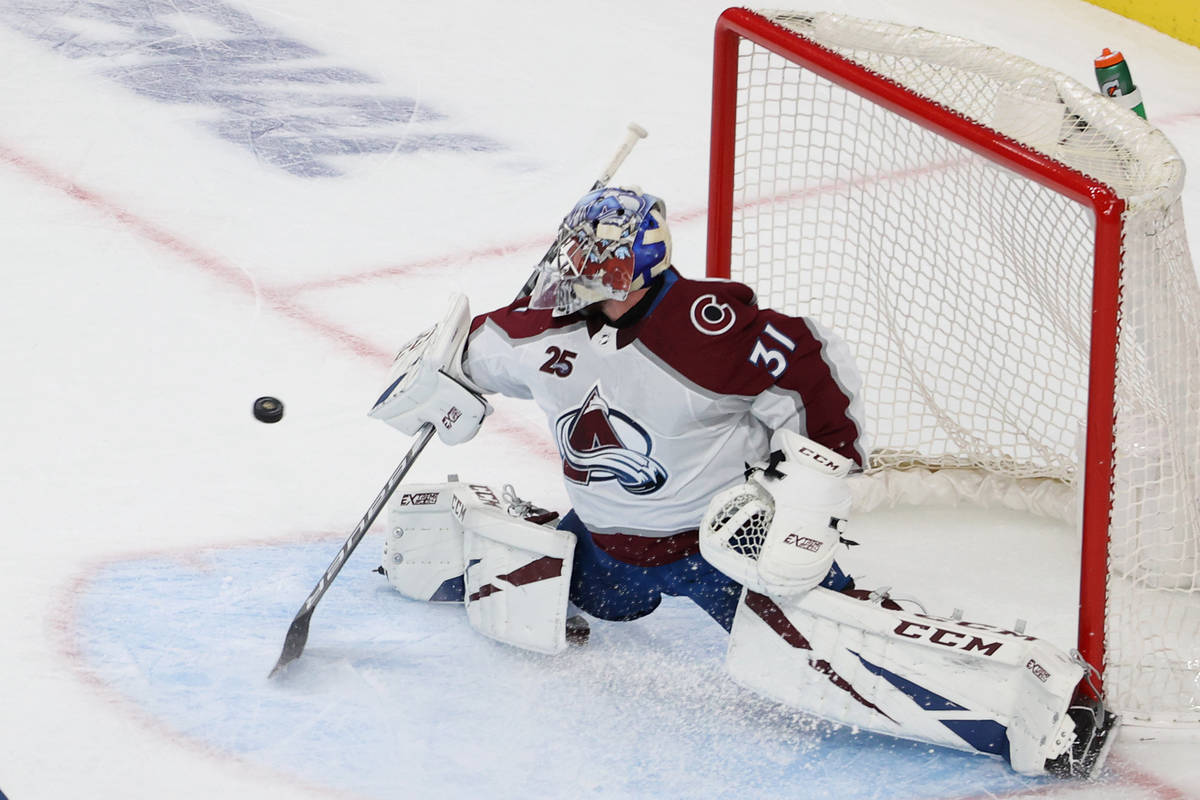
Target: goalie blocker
pixel 860 659
pixel 468 543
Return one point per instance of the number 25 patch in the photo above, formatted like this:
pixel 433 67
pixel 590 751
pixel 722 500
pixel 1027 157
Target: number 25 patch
pixel 559 362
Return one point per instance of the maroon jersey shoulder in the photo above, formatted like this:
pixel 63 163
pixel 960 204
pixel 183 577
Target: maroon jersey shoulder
pixel 518 321
pixel 714 335
pixel 706 330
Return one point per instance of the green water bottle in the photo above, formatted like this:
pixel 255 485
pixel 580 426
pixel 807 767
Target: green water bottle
pixel 1112 73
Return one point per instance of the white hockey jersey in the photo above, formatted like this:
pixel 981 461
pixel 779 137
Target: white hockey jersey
pixel 655 413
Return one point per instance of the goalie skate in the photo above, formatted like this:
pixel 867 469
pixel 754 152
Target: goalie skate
pixel 578 630
pixel 1095 731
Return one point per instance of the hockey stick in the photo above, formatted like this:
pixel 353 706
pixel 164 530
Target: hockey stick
pixel 297 635
pixel 632 134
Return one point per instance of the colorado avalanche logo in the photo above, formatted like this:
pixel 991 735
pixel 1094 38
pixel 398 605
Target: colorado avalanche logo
pixel 601 444
pixel 712 317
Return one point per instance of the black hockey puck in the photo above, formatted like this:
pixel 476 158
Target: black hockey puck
pixel 268 409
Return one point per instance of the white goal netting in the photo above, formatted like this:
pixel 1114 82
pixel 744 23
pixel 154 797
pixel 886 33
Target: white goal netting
pixel 965 289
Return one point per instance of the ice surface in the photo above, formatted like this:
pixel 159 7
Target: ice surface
pixel 205 202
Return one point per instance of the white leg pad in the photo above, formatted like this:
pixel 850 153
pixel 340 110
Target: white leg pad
pixel 423 547
pixel 518 574
pixel 957 684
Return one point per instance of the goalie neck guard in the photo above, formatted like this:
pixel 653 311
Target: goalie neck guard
pixel 613 242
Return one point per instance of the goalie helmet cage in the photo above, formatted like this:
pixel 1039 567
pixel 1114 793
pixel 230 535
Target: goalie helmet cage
pixel 1004 250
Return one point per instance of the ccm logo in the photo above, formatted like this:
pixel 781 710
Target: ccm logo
pixel 820 458
pixel 803 542
pixel 485 495
pixel 1039 672
pixel 457 507
pixel 979 626
pixel 944 637
pixel 452 416
pixel 419 499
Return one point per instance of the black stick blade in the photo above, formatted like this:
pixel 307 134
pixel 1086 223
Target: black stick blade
pixel 293 643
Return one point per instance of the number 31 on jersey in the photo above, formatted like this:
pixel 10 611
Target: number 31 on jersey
pixel 771 358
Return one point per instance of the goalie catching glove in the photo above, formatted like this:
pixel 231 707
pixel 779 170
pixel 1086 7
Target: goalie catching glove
pixel 427 383
pixel 778 532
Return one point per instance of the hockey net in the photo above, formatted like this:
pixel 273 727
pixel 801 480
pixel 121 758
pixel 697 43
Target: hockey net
pixel 1004 251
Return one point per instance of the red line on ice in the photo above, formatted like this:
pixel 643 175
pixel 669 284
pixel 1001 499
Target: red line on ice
pixel 534 244
pixel 207 262
pixel 434 262
pixel 1132 774
pixel 404 270
pixel 1118 772
pixel 278 299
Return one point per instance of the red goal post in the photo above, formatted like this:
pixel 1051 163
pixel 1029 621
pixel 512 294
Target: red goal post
pixel 1004 251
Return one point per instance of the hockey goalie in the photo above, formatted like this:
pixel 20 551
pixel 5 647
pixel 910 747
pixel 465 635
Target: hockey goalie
pixel 659 390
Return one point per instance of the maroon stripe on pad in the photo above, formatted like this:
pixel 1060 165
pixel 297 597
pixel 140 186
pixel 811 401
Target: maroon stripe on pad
pixel 543 569
pixel 773 615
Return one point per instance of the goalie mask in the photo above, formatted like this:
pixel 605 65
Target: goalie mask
pixel 613 242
